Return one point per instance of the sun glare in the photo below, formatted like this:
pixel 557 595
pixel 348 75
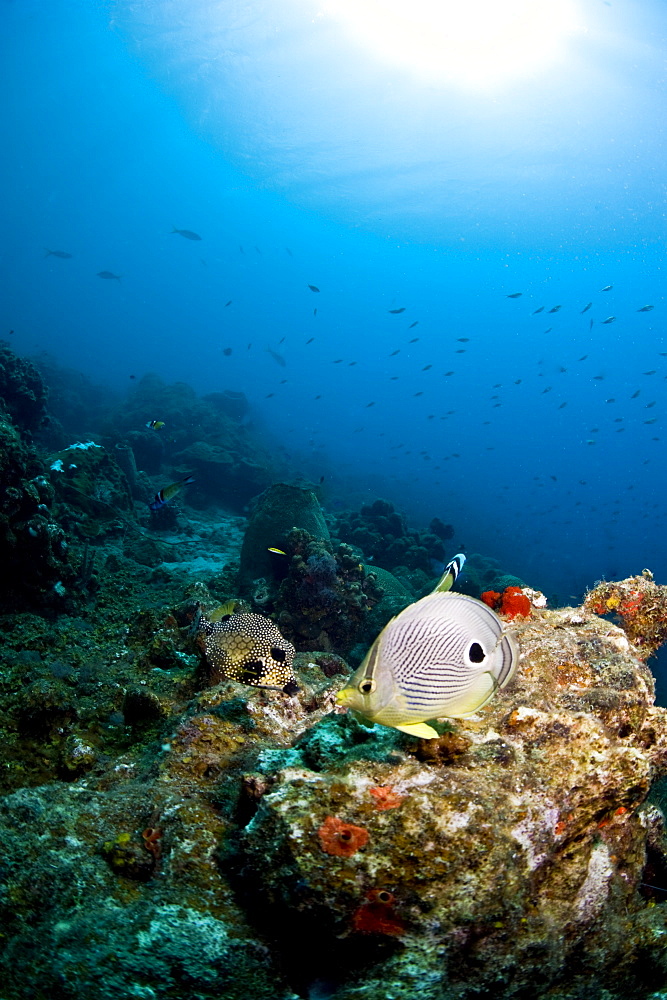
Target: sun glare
pixel 475 43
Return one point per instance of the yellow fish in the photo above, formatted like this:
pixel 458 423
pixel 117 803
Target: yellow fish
pixel 444 656
pixel 250 649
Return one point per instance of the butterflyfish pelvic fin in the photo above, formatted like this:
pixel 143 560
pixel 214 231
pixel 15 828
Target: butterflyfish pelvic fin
pixel 452 570
pixel 420 729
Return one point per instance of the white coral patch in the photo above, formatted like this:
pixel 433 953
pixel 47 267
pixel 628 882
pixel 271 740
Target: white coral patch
pixel 57 466
pixel 449 823
pixel 619 641
pixel 594 890
pixel 533 828
pixel 536 597
pixel 83 446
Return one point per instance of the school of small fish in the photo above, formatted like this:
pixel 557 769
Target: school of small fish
pixel 402 359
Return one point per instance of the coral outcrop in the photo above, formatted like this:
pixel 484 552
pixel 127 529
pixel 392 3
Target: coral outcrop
pixel 34 555
pixel 639 604
pixel 514 852
pixel 274 514
pixel 89 482
pixel 208 437
pixel 324 600
pixel 23 392
pixel 382 534
pixel 245 842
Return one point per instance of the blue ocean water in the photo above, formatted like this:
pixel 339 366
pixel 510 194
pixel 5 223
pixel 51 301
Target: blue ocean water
pixel 302 157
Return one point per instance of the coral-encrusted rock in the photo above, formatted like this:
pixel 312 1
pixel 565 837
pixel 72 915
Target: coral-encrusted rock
pixel 115 892
pixel 275 513
pixel 23 392
pixel 641 606
pixel 516 861
pixel 33 546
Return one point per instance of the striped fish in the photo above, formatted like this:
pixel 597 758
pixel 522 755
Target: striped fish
pixel 163 496
pixel 444 656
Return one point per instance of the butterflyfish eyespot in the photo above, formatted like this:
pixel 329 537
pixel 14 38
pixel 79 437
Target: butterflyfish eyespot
pixel 476 653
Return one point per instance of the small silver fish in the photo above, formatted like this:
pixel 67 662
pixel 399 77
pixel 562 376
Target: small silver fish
pixel 187 233
pixel 67 256
pixel 278 358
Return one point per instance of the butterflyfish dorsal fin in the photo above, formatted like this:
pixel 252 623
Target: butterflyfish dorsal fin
pixel 452 570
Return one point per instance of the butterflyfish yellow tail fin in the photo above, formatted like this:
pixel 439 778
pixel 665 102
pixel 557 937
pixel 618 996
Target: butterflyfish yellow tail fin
pixel 420 729
pixel 452 570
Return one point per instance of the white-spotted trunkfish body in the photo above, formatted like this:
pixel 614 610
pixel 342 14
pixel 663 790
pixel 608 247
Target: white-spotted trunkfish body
pixel 250 649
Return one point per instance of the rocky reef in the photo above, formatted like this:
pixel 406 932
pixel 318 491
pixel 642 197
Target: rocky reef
pixel 23 391
pixel 324 600
pixel 229 841
pixel 209 437
pixel 382 534
pixel 167 832
pixel 33 545
pixel 273 514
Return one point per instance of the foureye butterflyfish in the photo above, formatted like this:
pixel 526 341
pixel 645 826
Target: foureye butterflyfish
pixel 444 656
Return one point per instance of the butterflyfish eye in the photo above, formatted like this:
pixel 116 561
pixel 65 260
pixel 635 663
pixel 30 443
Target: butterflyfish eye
pixel 367 686
pixel 277 653
pixel 476 653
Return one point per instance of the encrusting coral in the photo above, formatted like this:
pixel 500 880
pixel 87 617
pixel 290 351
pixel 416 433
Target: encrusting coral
pixel 641 606
pixel 324 600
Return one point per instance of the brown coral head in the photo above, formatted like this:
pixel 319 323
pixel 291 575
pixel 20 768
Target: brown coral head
pixel 341 839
